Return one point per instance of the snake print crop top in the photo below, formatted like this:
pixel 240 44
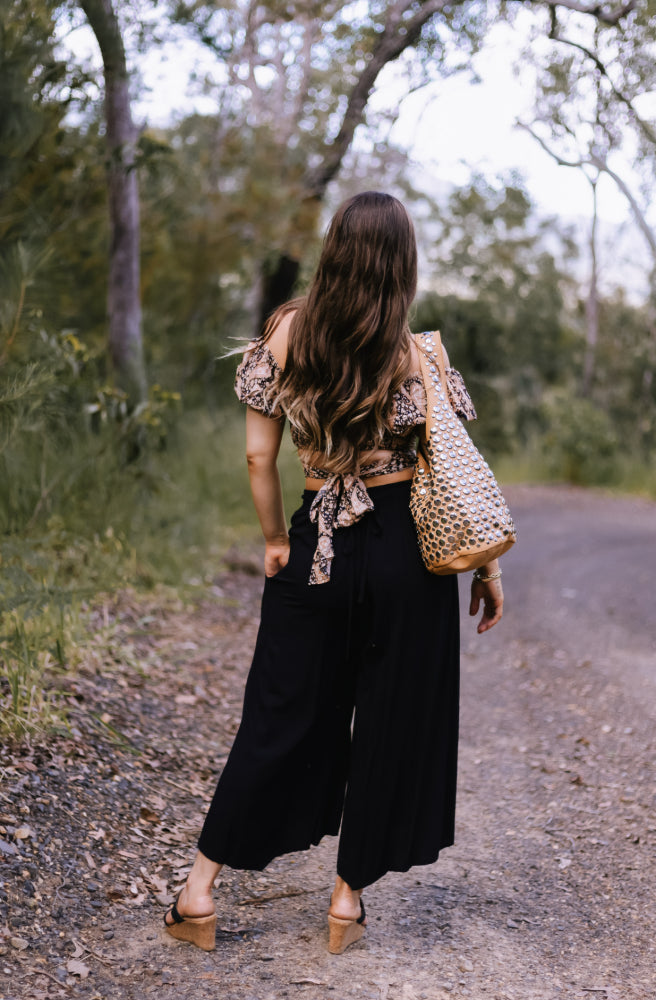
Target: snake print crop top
pixel 343 499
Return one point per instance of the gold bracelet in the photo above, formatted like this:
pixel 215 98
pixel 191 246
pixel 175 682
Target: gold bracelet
pixel 486 579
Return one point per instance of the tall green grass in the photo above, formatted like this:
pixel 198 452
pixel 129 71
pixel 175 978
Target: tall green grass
pixel 156 519
pixel 201 504
pixel 166 517
pixel 33 649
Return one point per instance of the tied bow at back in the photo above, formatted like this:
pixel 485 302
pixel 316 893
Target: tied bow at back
pixel 341 501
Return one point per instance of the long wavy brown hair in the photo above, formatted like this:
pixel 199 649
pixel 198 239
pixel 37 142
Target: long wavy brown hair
pixel 349 340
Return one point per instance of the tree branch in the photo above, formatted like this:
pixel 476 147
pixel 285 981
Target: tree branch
pixel 644 126
pixel 601 166
pixel 607 15
pixel 560 160
pixel 638 214
pixel 592 302
pixel 391 44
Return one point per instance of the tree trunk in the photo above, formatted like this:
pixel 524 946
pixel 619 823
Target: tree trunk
pixel 123 293
pixel 592 304
pixel 277 285
pixel 280 278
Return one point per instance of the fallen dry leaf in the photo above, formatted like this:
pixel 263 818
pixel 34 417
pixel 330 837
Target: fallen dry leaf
pixel 148 815
pixel 77 968
pixel 158 882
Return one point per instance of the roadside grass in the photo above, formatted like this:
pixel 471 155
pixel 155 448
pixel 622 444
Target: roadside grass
pixel 624 474
pixel 167 521
pixel 33 649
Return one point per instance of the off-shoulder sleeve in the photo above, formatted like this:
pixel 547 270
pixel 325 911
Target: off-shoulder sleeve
pixel 256 380
pixel 458 395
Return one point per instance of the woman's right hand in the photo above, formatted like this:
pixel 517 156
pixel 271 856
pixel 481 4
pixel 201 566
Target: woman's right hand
pixel 276 557
pixel 491 594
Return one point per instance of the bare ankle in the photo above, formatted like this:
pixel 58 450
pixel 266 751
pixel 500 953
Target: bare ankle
pixel 203 875
pixel 199 886
pixel 345 901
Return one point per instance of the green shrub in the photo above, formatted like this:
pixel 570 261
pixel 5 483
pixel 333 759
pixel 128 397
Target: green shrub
pixel 581 444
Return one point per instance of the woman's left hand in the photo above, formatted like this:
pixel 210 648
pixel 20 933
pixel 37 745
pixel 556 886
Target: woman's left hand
pixel 276 557
pixel 491 594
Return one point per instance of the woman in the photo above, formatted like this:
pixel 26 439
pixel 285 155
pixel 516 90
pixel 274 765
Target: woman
pixel 350 720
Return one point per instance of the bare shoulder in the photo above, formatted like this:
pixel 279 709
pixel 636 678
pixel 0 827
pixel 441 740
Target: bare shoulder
pixel 279 338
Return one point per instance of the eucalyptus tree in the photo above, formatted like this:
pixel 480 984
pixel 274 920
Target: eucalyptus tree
pixel 294 82
pixel 589 117
pixel 123 288
pixel 588 104
pixel 291 87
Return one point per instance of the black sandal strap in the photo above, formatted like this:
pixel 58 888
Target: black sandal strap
pixel 177 919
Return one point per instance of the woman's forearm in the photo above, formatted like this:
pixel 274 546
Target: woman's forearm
pixel 263 437
pixel 267 498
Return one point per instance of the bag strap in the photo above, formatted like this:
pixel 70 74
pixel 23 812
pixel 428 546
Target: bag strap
pixel 425 361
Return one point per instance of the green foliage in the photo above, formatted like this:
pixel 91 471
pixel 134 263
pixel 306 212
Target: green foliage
pixel 505 324
pixel 515 328
pixel 625 376
pixel 53 231
pixel 475 344
pixel 588 89
pixel 581 443
pixel 29 76
pixel 32 650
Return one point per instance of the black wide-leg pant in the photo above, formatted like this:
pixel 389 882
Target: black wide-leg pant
pixel 351 706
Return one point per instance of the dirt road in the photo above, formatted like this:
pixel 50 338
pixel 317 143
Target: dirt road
pixel 548 893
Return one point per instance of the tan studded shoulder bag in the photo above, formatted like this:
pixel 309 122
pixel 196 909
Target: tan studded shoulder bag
pixel 461 517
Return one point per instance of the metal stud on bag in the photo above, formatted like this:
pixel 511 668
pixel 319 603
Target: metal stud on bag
pixel 461 517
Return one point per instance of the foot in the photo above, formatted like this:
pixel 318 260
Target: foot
pixel 195 900
pixel 192 902
pixel 345 902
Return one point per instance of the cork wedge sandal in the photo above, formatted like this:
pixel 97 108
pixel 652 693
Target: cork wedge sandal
pixel 200 931
pixel 342 933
